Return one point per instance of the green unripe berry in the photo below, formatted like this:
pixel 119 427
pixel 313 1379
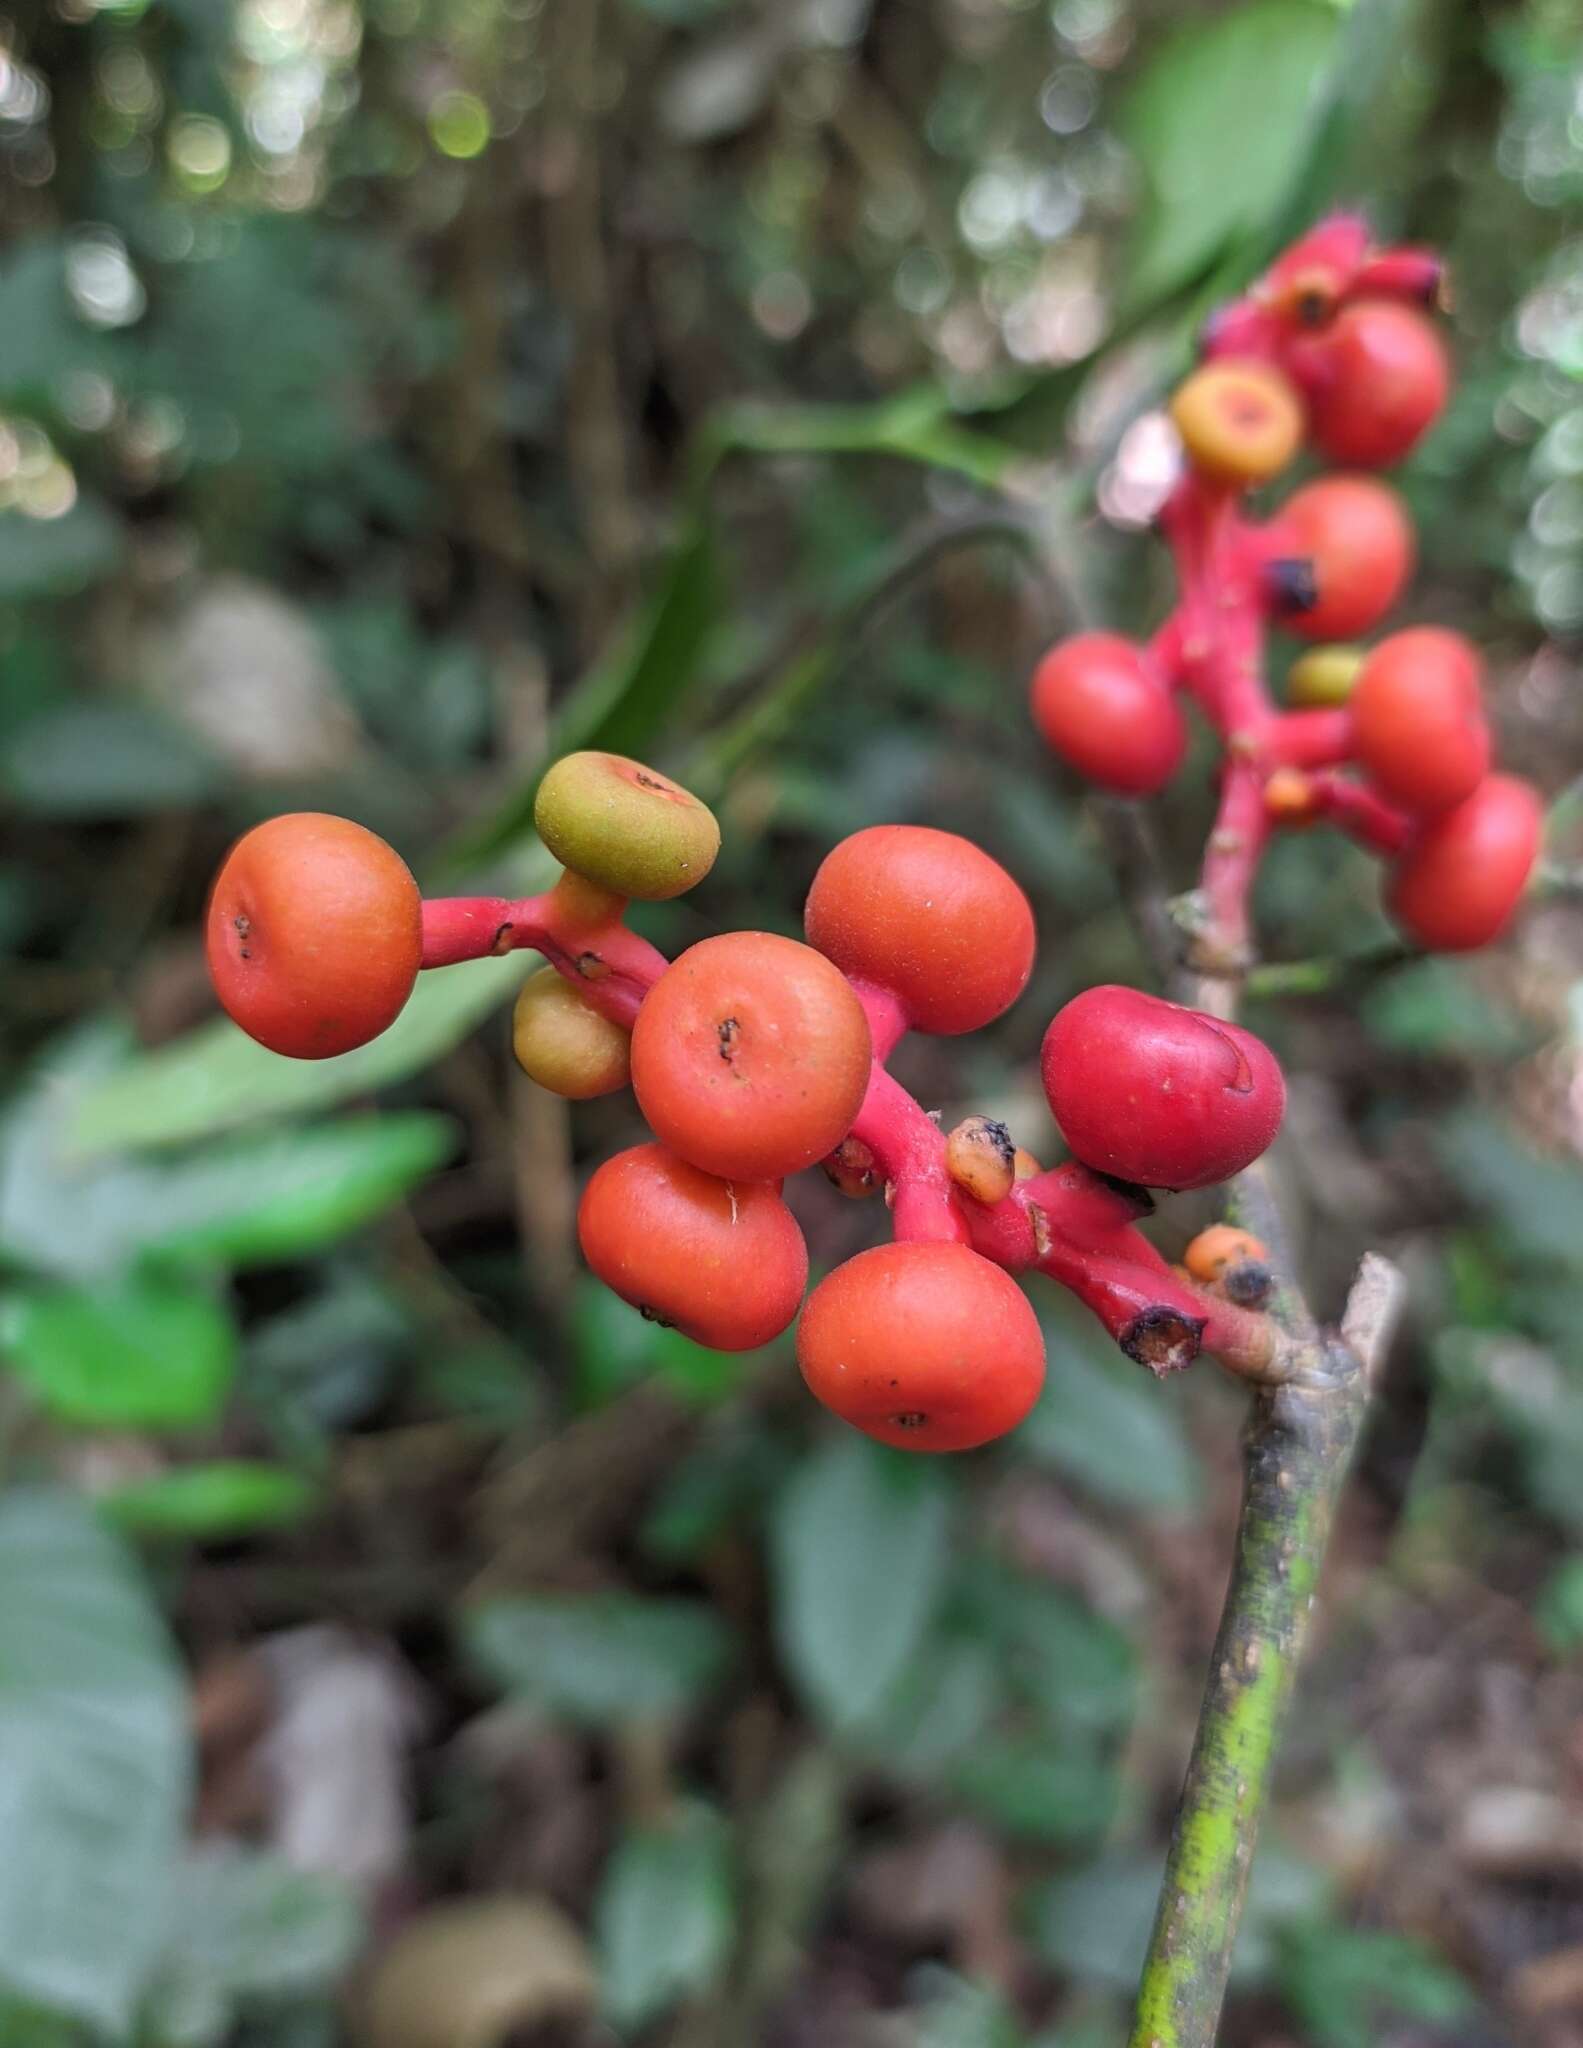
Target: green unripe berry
pixel 1324 676
pixel 625 827
pixel 564 1045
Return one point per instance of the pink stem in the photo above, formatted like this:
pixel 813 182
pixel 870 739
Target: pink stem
pixel 1310 739
pixel 612 968
pixel 1361 814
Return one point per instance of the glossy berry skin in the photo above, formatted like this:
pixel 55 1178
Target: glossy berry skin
pixel 564 1045
pixel 1240 422
pixel 1100 706
pixel 314 934
pixel 1148 1091
pixel 1355 535
pixel 725 1265
pixel 750 1056
pixel 1418 719
pixel 1376 379
pixel 925 1346
pixel 625 826
pixel 1460 879
pixel 928 916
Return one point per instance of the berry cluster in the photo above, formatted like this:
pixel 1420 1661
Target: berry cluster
pixel 1333 346
pixel 754 1056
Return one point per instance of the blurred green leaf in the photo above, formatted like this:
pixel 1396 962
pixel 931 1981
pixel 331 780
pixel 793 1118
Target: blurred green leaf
pixel 245 1928
pixel 55 557
pixel 1535 1202
pixel 1029 1787
pixel 106 760
pixel 216 1079
pixel 1094 1923
pixel 1219 121
pixel 1345 1983
pixel 937 1711
pixel 293 1192
pixel 94 1756
pixel 1436 1006
pixel 231 1497
pixel 1078 1670
pixel 148 1351
pixel 1559 1607
pixel 1104 1424
pixel 665 1915
pixel 602 1658
pixel 858 1549
pixel 957 2014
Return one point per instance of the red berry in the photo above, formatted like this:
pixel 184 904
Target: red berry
pixel 725 1263
pixel 1356 538
pixel 314 934
pixel 927 1346
pixel 1102 708
pixel 1418 719
pixel 928 916
pixel 1461 877
pixel 750 1056
pixel 1150 1092
pixel 1376 379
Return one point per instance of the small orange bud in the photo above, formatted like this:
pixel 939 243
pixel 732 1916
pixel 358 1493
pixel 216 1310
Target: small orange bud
pixel 1220 1246
pixel 1290 798
pixel 981 1159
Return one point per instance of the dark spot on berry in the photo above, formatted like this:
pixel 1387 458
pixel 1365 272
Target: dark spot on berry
pixel 652 1315
pixel 646 781
pixel 1248 1283
pixel 1163 1339
pixel 244 925
pixel 1292 584
pixel 913 1419
pixel 1313 308
pixel 728 1032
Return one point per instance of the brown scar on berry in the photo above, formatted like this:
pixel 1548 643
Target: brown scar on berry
pixel 912 1419
pixel 1163 1339
pixel 728 1031
pixel 652 1315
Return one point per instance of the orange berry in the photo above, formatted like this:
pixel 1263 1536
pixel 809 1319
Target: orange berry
pixel 1241 422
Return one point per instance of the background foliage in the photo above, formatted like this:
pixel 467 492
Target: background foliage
pixel 391 392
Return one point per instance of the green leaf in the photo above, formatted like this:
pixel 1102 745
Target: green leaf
pixel 664 1916
pixel 1346 1984
pixel 1535 1202
pixel 55 557
pixel 216 1079
pixel 1105 1425
pixel 106 760
pixel 294 1192
pixel 858 1551
pixel 602 1658
pixel 1077 1670
pixel 245 1927
pixel 1220 120
pixel 1436 1006
pixel 231 1497
pixel 94 1764
pixel 1095 1923
pixel 1039 1790
pixel 1559 1607
pixel 148 1351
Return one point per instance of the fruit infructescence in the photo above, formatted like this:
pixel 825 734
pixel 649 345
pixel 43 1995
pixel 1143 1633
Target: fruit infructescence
pixel 753 1056
pixel 1389 744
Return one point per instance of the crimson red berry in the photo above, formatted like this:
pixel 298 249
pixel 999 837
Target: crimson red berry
pixel 927 1346
pixel 1418 718
pixel 1356 538
pixel 1376 379
pixel 929 917
pixel 1459 880
pixel 314 934
pixel 1106 712
pixel 724 1263
pixel 750 1056
pixel 1148 1091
